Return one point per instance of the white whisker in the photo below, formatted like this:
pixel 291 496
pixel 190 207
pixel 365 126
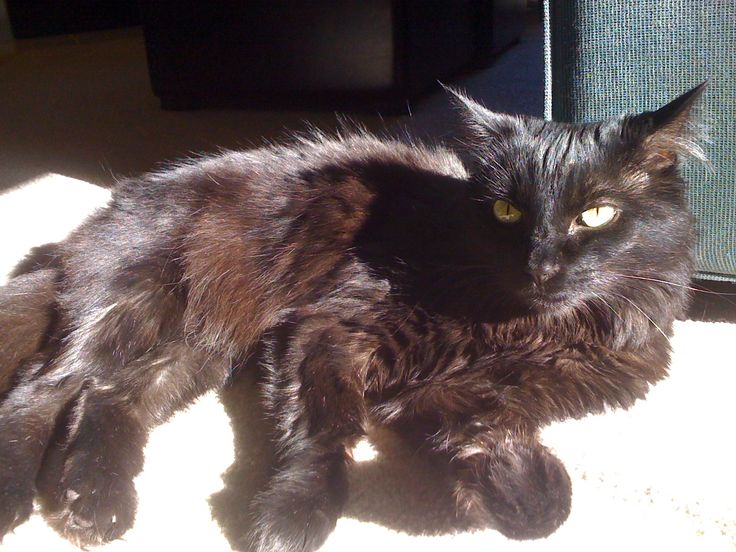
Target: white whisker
pixel 691 288
pixel 723 296
pixel 645 314
pixel 608 305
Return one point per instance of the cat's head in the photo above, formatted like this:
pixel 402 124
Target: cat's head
pixel 586 211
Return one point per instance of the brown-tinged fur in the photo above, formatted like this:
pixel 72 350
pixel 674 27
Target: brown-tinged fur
pixel 25 317
pixel 373 283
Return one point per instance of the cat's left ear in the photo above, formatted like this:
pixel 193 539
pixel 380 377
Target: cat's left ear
pixel 481 125
pixel 671 132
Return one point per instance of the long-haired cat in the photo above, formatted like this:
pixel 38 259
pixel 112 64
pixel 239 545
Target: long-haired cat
pixel 464 304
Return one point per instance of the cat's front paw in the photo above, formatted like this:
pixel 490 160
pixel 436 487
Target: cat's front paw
pixel 523 490
pixel 94 510
pixel 16 505
pixel 291 520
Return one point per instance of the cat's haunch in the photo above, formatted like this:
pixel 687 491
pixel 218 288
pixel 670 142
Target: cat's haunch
pixel 463 304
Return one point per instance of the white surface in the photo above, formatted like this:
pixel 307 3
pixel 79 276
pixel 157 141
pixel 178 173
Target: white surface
pixel 658 477
pixel 43 210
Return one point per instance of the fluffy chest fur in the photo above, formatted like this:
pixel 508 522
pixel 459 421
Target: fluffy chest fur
pixel 511 376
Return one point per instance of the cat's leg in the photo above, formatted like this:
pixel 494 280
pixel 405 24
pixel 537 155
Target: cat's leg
pixel 314 393
pixel 503 478
pixel 28 416
pixel 123 339
pixel 86 482
pixel 27 313
pixel 28 408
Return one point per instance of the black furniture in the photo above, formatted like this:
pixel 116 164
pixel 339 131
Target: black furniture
pixel 372 54
pixel 34 18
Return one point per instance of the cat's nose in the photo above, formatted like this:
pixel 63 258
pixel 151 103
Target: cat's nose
pixel 544 272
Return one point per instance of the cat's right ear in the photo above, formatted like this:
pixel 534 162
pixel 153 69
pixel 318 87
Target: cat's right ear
pixel 672 131
pixel 481 126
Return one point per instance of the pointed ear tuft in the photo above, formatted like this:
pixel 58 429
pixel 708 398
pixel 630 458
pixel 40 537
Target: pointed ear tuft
pixel 481 125
pixel 672 131
pixel 463 103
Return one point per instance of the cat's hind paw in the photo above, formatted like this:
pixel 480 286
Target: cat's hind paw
pixel 91 515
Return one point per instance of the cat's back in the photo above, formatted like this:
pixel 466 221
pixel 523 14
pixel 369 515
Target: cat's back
pixel 277 228
pixel 265 186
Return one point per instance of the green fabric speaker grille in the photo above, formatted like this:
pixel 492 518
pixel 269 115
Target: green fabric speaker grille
pixel 606 57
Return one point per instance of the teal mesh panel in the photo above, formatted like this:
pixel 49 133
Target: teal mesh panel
pixel 606 57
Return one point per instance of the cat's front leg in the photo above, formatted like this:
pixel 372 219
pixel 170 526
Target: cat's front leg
pixel 503 479
pixel 315 397
pixel 513 482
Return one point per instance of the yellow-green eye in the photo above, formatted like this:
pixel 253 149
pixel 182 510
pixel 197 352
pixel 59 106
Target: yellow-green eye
pixel 597 216
pixel 505 212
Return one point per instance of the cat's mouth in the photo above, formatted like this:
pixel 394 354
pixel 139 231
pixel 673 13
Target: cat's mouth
pixel 544 301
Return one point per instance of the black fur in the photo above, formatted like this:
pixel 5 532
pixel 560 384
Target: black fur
pixel 376 284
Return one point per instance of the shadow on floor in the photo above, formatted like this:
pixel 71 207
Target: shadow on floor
pixel 398 489
pixel 713 301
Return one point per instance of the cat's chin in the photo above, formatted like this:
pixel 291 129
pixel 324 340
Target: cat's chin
pixel 550 304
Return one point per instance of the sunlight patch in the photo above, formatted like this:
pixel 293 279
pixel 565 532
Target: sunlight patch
pixel 364 451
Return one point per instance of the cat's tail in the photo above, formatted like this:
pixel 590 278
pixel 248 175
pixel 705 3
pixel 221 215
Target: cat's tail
pixel 27 310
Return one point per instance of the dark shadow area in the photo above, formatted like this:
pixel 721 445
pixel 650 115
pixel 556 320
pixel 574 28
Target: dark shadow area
pixel 400 488
pixel 403 490
pixel 254 455
pixel 82 105
pixel 713 301
pixel 513 84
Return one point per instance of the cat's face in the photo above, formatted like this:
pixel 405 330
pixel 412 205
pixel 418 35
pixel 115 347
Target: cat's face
pixel 585 211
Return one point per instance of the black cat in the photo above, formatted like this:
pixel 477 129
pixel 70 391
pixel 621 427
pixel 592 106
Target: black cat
pixel 464 305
